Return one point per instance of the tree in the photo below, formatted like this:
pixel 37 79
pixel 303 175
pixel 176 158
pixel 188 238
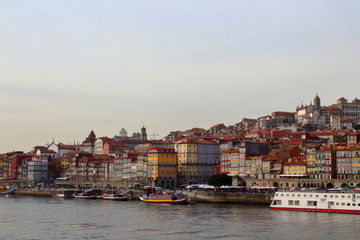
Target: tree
pixel 218 180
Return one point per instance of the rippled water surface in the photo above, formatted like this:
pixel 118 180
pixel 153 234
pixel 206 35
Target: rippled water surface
pixel 51 218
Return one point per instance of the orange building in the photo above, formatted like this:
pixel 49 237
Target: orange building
pixel 162 167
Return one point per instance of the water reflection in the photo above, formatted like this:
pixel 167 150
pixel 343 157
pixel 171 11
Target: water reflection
pixel 47 218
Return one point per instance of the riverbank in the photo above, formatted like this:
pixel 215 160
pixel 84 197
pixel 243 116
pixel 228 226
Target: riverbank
pixel 197 196
pixel 230 197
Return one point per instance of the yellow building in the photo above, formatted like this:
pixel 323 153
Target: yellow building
pixel 2 166
pixel 187 155
pixel 310 161
pixel 162 167
pixel 295 167
pixel 355 162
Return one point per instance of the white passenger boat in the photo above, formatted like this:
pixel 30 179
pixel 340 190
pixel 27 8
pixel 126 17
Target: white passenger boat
pixel 334 202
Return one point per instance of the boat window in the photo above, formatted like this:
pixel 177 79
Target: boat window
pixel 282 195
pixel 354 204
pixel 343 204
pixel 287 195
pixel 310 195
pixel 297 203
pixel 331 203
pixel 291 202
pixel 348 204
pixel 349 196
pixel 299 195
pixel 304 195
pixel 358 197
pixel 311 203
pixel 277 194
pixel 336 196
pixel 342 196
pixel 293 195
pixel 337 203
pixel 316 195
pixel 277 202
pixel 331 196
pixel 359 204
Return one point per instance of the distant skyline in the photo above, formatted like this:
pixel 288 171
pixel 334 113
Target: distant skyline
pixel 67 67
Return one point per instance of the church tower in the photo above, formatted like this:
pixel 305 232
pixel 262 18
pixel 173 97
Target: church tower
pixel 143 134
pixel 317 104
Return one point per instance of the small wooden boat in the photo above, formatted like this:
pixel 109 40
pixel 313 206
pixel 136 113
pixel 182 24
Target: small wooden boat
pixel 115 197
pixel 164 198
pixel 84 195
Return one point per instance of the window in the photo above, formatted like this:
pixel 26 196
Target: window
pixel 312 203
pixel 297 203
pixel 291 202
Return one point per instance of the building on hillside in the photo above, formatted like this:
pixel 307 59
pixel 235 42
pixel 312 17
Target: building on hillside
pixel 125 166
pixel 325 164
pixel 88 145
pixel 350 110
pixel 310 161
pixel 353 138
pixel 37 169
pixel 113 147
pixel 46 152
pixel 99 144
pixel 197 159
pixel 344 163
pixel 248 124
pixel 264 122
pixel 141 168
pixel 217 129
pixel 282 118
pixel 106 171
pixel 229 161
pixel 295 167
pixel 123 133
pixel 272 167
pixel 287 152
pixel 355 162
pixel 61 149
pixel 162 168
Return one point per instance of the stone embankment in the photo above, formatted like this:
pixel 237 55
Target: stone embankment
pixel 132 194
pixel 230 197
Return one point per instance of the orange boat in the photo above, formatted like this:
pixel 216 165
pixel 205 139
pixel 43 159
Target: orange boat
pixel 164 198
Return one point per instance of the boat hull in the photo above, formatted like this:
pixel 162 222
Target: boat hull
pixel 165 201
pixel 317 210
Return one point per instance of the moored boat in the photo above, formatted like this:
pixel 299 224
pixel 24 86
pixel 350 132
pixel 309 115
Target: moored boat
pixel 115 197
pixel 84 195
pixel 164 198
pixel 332 202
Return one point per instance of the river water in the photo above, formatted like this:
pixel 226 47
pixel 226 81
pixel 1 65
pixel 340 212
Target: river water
pixel 51 218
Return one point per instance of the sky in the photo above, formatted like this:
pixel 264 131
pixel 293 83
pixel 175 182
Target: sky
pixel 68 67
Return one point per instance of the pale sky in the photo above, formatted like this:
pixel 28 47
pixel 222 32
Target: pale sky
pixel 70 66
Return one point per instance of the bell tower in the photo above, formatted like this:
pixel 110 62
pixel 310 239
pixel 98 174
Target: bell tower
pixel 317 103
pixel 143 134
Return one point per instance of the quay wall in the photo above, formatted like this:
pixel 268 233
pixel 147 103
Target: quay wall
pixel 230 197
pixel 31 192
